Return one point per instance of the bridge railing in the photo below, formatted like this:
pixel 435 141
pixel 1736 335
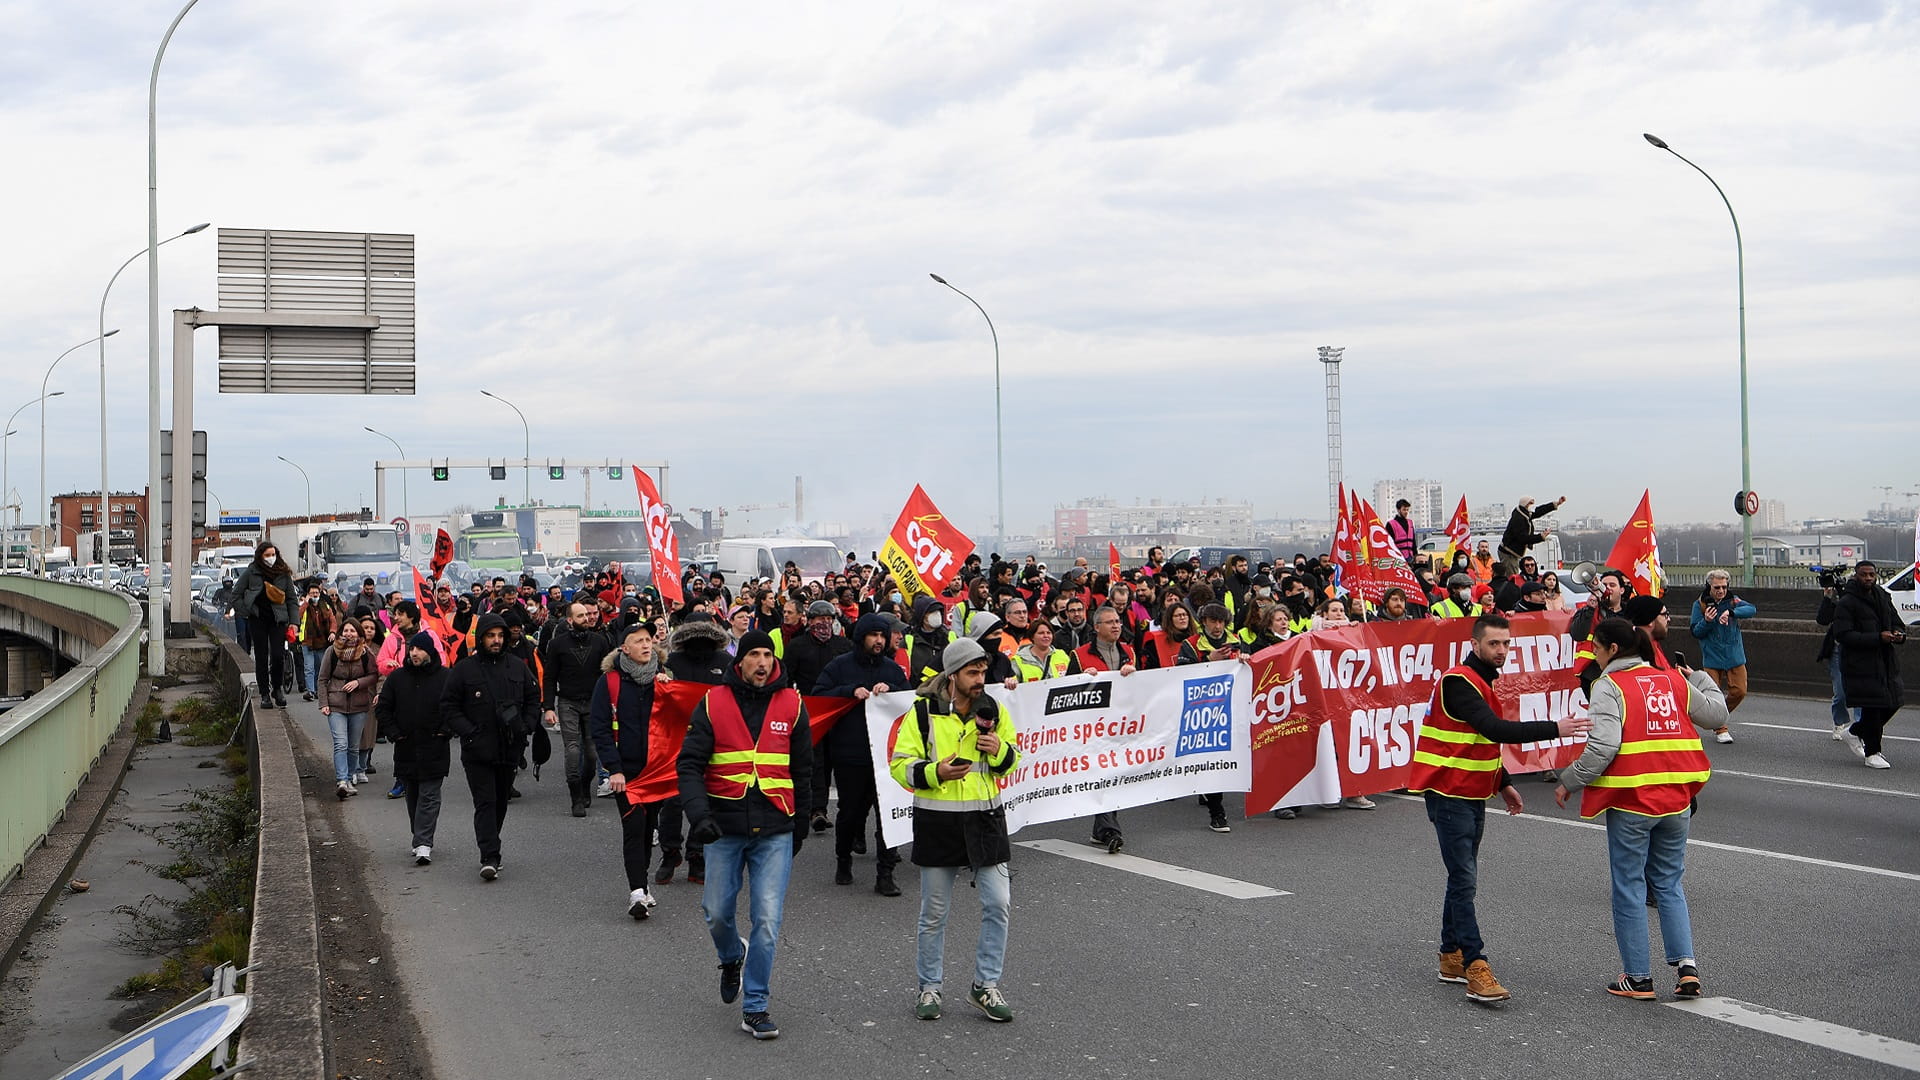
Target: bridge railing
pixel 49 743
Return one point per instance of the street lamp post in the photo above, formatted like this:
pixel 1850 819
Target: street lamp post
pixel 103 356
pixel 999 444
pixel 1740 278
pixel 102 336
pixel 303 476
pixel 6 472
pixel 404 508
pixel 526 454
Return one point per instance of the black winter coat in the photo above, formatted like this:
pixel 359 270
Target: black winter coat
pixel 697 652
pixel 408 710
pixel 571 662
pixel 624 751
pixel 857 670
pixel 492 703
pixel 807 656
pixel 753 815
pixel 1869 667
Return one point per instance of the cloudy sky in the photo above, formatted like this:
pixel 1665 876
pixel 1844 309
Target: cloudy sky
pixel 704 236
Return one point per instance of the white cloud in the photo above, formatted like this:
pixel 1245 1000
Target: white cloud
pixel 704 235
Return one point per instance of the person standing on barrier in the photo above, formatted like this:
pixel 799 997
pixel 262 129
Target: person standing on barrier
pixel 954 745
pixel 1642 768
pixel 265 593
pixel 492 702
pixel 1456 764
pixel 409 710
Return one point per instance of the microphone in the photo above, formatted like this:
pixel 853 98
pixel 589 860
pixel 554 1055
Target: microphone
pixel 985 715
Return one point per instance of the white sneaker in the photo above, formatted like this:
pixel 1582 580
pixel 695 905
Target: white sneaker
pixel 359 778
pixel 1856 744
pixel 1877 761
pixel 1723 736
pixel 604 791
pixel 422 855
pixel 1840 732
pixel 1358 802
pixel 639 904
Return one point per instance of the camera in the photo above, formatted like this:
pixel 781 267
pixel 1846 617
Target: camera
pixel 1831 577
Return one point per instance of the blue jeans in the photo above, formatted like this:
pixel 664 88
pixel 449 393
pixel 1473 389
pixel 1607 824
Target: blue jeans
pixel 768 862
pixel 345 727
pixel 1840 718
pixel 310 664
pixel 1648 854
pixel 995 884
pixel 1459 824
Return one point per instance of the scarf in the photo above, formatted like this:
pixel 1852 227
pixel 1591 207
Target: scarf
pixel 640 673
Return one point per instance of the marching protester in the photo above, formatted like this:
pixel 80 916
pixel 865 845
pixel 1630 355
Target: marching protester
pixel 492 703
pixel 347 675
pixel 315 633
pixel 409 709
pixel 951 749
pixel 1459 602
pixel 619 711
pixel 571 668
pixel 745 777
pixel 1456 765
pixel 1867 628
pixel 1723 652
pixel 807 655
pixel 264 593
pixel 1642 768
pixel 1106 652
pixel 1038 659
pixel 867 670
pixel 696 652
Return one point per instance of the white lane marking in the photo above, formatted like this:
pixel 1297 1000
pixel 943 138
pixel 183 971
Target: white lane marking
pixel 1880 871
pixel 1179 875
pixel 1819 783
pixel 1827 731
pixel 1846 1040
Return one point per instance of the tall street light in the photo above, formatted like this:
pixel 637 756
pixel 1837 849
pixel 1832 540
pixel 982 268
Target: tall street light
pixel 156 590
pixel 404 509
pixel 1740 277
pixel 999 444
pixel 103 335
pixel 6 469
pixel 526 457
pixel 103 356
pixel 303 476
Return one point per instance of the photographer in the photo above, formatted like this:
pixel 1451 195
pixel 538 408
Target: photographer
pixel 1723 654
pixel 952 749
pixel 1866 627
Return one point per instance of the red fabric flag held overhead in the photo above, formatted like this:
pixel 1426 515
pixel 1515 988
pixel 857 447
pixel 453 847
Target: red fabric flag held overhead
pixel 1113 562
pixel 924 551
pixel 662 544
pixel 1637 552
pixel 1343 550
pixel 1459 533
pixel 438 623
pixel 1386 569
pixel 442 554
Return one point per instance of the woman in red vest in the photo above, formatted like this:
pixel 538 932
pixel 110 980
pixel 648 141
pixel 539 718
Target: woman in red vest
pixel 1642 768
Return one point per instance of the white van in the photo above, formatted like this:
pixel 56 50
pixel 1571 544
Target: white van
pixel 765 557
pixel 1546 553
pixel 1906 600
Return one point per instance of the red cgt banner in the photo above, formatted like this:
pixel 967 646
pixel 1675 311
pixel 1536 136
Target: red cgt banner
pixel 673 704
pixel 1338 712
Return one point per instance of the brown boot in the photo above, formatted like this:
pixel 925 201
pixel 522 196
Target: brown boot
pixel 1453 968
pixel 1482 986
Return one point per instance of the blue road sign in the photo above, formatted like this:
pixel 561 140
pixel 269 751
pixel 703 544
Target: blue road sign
pixel 165 1050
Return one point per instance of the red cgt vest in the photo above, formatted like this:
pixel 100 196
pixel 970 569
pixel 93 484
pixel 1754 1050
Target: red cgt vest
pixel 739 762
pixel 1451 758
pixel 1660 766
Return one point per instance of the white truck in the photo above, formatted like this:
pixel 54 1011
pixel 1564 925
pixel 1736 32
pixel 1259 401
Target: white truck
pixel 344 553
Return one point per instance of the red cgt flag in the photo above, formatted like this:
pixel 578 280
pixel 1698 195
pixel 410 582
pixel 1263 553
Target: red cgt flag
pixel 442 554
pixel 662 544
pixel 437 622
pixel 1637 552
pixel 1113 562
pixel 1385 568
pixel 1459 532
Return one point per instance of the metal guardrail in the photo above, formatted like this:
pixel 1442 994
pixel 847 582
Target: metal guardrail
pixel 1764 577
pixel 50 743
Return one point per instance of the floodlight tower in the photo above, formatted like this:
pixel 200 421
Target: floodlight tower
pixel 1336 468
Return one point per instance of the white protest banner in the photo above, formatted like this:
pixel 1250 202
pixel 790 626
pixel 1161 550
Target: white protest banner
pixel 1098 742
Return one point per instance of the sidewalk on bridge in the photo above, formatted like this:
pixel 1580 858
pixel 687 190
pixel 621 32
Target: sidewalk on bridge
pixel 55 1006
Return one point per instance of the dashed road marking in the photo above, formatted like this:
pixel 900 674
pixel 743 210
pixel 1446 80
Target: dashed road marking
pixel 1846 1040
pixel 1827 731
pixel 1179 875
pixel 1819 783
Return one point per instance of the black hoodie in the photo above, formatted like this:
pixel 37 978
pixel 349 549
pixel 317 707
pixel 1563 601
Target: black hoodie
pixel 858 670
pixel 697 651
pixel 491 702
pixel 754 815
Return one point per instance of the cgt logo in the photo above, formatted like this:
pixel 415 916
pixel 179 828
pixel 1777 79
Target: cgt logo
pixel 1275 697
pixel 782 727
pixel 930 559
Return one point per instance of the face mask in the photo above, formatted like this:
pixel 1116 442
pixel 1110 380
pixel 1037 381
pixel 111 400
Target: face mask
pixel 893 597
pixel 1462 597
pixel 932 621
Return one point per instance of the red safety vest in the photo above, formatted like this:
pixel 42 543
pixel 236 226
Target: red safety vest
pixel 1660 766
pixel 1090 661
pixel 1451 758
pixel 739 762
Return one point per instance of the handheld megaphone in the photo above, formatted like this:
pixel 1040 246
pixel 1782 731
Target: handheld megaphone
pixel 1584 575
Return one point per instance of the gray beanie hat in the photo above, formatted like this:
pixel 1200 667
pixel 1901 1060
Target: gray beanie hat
pixel 961 652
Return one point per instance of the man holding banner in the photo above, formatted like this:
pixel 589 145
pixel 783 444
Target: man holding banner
pixel 1457 765
pixel 954 745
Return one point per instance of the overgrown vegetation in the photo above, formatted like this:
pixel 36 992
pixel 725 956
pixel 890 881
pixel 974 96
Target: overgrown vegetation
pixel 207 721
pixel 146 726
